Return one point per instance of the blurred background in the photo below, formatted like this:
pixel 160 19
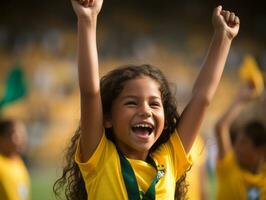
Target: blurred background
pixel 39 38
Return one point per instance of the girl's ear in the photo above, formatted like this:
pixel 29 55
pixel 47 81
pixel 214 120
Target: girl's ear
pixel 107 123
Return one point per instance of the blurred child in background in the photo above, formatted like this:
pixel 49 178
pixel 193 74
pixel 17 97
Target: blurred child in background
pixel 241 163
pixel 14 177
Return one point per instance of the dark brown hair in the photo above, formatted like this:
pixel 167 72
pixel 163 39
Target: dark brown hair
pixel 256 132
pixel 6 127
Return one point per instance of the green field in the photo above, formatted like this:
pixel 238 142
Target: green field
pixel 42 183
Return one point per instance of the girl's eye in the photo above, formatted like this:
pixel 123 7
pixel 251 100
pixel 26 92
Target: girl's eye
pixel 155 104
pixel 130 103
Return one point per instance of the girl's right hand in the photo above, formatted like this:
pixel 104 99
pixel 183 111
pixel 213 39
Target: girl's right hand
pixel 246 93
pixel 87 9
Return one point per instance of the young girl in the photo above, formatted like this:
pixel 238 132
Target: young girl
pixel 132 143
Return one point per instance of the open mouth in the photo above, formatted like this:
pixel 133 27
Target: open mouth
pixel 143 129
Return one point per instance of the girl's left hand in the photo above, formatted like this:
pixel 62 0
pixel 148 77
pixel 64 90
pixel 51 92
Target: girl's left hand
pixel 87 9
pixel 227 21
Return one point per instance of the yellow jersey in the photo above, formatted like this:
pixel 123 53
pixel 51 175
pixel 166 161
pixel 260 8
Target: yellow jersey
pixel 235 183
pixel 104 180
pixel 195 176
pixel 14 179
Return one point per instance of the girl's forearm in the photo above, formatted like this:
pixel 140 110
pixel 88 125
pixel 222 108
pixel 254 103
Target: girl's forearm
pixel 91 107
pixel 230 114
pixel 88 57
pixel 212 69
pixel 223 125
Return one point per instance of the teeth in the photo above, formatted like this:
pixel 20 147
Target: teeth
pixel 148 127
pixel 142 126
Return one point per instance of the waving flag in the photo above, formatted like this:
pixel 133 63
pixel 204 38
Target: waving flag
pixel 15 86
pixel 250 73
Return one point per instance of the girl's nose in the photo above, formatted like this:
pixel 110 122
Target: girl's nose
pixel 145 114
pixel 145 111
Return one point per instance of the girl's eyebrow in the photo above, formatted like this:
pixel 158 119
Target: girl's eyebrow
pixel 137 97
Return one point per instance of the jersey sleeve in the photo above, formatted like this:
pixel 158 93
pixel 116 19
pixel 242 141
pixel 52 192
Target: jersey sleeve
pixel 94 165
pixel 181 160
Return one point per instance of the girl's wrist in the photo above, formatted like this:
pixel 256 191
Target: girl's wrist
pixel 239 101
pixel 223 35
pixel 88 21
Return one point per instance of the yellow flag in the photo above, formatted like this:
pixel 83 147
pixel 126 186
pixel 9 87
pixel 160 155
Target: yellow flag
pixel 251 74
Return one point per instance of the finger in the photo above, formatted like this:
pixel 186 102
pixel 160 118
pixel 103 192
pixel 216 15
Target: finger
pixel 227 16
pixel 234 22
pixel 217 10
pixel 88 3
pixel 237 20
pixel 81 2
pixel 232 17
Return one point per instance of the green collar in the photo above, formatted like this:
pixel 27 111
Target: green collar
pixel 131 181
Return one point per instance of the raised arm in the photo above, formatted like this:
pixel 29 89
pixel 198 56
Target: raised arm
pixel 226 26
pixel 222 126
pixel 91 108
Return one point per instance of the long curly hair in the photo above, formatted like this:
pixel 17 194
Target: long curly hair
pixel 111 86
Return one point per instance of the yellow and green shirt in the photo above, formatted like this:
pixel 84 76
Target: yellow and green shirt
pixel 14 179
pixel 104 180
pixel 235 183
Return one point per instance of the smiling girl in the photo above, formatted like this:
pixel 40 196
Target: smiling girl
pixel 132 143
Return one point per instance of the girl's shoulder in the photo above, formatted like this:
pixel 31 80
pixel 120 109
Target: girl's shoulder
pixel 173 156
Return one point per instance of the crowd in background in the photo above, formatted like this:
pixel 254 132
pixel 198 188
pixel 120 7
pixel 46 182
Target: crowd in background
pixel 50 107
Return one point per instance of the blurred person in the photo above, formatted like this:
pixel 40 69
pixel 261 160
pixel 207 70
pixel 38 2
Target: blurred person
pixel 132 143
pixel 14 176
pixel 241 162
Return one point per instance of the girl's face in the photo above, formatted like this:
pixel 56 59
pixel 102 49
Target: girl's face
pixel 137 117
pixel 247 154
pixel 16 141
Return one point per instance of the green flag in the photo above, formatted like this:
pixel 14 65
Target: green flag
pixel 15 86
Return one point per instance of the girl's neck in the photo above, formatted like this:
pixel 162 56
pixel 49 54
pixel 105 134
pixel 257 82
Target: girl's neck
pixel 254 169
pixel 132 153
pixel 137 156
pixel 9 155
